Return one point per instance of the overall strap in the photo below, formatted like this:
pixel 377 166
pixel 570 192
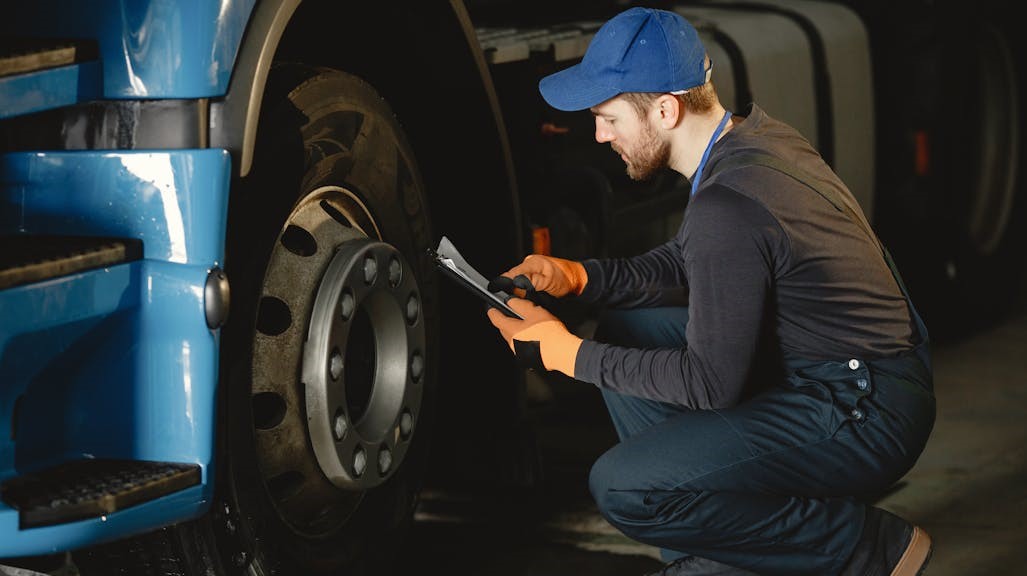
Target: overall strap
pixel 833 197
pixel 706 155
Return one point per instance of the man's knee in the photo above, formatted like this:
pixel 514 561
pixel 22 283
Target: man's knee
pixel 602 479
pixel 614 487
pixel 634 507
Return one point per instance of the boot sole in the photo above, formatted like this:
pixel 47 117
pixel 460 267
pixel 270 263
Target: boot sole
pixel 918 553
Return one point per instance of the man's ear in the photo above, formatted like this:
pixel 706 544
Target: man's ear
pixel 668 110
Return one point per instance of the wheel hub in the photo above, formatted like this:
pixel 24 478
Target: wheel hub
pixel 363 363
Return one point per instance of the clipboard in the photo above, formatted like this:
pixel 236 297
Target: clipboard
pixel 452 264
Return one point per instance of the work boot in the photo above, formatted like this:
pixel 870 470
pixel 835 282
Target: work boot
pixel 695 566
pixel 889 546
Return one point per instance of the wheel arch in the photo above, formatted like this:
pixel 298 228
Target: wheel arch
pixel 424 59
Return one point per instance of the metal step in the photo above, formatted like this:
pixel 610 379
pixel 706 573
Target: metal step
pixel 24 55
pixel 28 259
pixel 92 488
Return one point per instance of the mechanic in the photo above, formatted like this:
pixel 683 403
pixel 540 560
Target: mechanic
pixel 765 369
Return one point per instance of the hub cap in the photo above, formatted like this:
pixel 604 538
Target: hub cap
pixel 363 364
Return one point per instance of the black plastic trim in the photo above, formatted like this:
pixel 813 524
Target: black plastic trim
pixel 110 125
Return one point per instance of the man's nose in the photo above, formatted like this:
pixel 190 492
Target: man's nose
pixel 603 134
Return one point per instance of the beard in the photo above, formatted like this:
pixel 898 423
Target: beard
pixel 649 157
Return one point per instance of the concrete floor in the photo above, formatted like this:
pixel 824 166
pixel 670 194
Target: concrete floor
pixel 968 489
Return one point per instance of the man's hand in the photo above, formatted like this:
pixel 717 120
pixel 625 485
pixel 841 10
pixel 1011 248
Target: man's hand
pixel 540 341
pixel 554 276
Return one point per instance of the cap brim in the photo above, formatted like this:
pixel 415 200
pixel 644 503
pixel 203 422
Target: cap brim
pixel 573 89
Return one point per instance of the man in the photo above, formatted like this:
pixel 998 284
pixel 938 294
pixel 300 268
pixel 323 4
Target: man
pixel 756 421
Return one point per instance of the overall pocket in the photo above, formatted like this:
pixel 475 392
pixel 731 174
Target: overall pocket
pixel 836 393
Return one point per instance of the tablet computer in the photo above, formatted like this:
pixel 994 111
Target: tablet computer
pixel 449 260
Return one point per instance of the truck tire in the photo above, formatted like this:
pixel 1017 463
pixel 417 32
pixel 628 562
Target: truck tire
pixel 329 354
pixel 956 220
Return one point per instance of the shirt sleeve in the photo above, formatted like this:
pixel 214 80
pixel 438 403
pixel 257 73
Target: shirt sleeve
pixel 655 278
pixel 730 247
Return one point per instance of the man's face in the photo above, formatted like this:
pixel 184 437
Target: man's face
pixel 638 141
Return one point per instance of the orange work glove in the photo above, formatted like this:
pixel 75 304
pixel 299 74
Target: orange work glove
pixel 540 341
pixel 554 276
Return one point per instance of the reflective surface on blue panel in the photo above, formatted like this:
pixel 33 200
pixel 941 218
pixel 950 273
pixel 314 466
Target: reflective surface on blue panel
pixel 116 362
pixel 166 199
pixel 173 393
pixel 131 379
pixel 138 384
pixel 149 48
pixel 61 322
pixel 45 89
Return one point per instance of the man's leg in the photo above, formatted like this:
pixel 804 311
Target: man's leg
pixel 642 328
pixel 769 485
pixel 651 328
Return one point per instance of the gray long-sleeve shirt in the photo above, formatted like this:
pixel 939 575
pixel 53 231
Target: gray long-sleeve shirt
pixel 757 253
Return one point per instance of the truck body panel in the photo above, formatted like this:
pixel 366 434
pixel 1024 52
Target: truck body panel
pixel 118 362
pixel 149 48
pixel 48 89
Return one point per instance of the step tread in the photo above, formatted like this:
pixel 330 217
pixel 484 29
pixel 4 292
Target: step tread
pixel 27 259
pixel 24 55
pixel 92 488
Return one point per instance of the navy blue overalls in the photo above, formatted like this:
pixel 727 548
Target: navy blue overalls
pixel 777 484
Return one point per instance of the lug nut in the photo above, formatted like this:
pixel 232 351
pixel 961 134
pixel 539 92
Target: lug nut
pixel 335 365
pixel 346 305
pixel 384 460
pixel 359 461
pixel 416 366
pixel 406 424
pixel 370 269
pixel 413 307
pixel 395 272
pixel 339 425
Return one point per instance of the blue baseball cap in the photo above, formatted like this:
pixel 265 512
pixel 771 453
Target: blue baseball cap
pixel 638 50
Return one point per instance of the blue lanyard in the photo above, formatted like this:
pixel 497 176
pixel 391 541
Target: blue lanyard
pixel 706 154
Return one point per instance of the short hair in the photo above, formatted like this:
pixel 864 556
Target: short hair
pixel 697 100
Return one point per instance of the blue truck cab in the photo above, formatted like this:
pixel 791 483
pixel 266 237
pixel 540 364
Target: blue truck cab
pixel 213 336
pixel 114 288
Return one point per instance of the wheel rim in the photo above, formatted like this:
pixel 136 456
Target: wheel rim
pixel 337 364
